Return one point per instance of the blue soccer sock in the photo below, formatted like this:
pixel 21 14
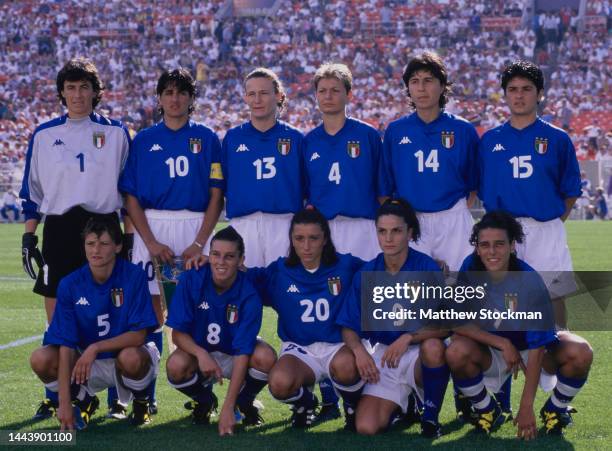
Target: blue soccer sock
pixel 503 395
pixel 350 393
pixel 195 388
pixel 328 394
pixel 111 395
pixel 52 396
pixel 435 381
pixel 151 388
pixel 254 382
pixel 474 389
pixel 565 390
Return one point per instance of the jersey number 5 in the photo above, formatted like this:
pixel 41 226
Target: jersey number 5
pixel 103 324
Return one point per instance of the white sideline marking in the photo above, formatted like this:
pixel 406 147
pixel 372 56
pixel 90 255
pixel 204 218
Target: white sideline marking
pixel 21 341
pixel 15 279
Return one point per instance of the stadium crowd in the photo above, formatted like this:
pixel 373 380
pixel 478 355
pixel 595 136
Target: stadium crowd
pixel 131 43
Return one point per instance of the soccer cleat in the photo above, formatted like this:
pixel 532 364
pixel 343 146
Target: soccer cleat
pixel 79 423
pixel 487 422
pixel 87 408
pixel 412 415
pixel 140 412
pixel 46 409
pixel 555 422
pixel 431 429
pixel 250 413
pixel 117 411
pixel 507 414
pixel 202 411
pixel 464 409
pixel 153 408
pixel 328 412
pixel 349 418
pixel 304 417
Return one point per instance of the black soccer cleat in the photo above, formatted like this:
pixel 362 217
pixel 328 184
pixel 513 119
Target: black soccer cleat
pixel 555 422
pixel 328 412
pixel 465 412
pixel 46 409
pixel 202 411
pixel 117 411
pixel 349 418
pixel 489 421
pixel 140 412
pixel 153 407
pixel 251 413
pixel 87 407
pixel 431 429
pixel 303 417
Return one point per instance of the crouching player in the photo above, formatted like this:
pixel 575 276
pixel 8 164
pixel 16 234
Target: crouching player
pixel 96 338
pixel 215 315
pixel 400 363
pixel 482 361
pixel 307 289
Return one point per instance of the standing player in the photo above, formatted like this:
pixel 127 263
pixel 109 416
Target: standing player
pixel 262 169
pixel 72 169
pixel 528 168
pixel 342 157
pixel 307 289
pixel 97 335
pixel 400 363
pixel 430 159
pixel 172 182
pixel 215 316
pixel 483 360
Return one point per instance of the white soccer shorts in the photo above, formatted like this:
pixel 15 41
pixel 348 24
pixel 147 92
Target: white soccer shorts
pixel 496 374
pixel 265 235
pixel 356 236
pixel 445 235
pixel 317 356
pixel 395 384
pixel 175 229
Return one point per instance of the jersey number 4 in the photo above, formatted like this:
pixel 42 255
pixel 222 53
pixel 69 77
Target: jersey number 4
pixel 320 308
pixel 334 173
pixel 431 162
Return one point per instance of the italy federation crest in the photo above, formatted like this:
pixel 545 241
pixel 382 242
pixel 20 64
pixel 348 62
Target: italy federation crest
pixel 334 285
pixel 353 148
pixel 195 145
pixel 117 297
pixel 511 301
pixel 98 140
pixel 541 145
pixel 231 313
pixel 448 139
pixel 284 146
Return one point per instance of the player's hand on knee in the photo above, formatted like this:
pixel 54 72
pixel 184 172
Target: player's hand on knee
pixel 196 262
pixel 395 351
pixel 82 367
pixel 161 252
pixel 210 368
pixel 29 251
pixel 366 366
pixel 65 415
pixel 513 359
pixel 227 420
pixel 525 422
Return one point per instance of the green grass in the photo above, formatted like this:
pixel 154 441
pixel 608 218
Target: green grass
pixel 22 315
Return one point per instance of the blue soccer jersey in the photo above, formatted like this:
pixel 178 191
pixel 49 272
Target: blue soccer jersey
pixel 511 293
pixel 173 169
pixel 87 312
pixel 263 170
pixel 350 315
pixel 431 165
pixel 307 303
pixel 228 322
pixel 528 172
pixel 344 172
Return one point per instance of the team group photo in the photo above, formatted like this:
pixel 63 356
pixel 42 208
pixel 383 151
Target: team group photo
pixel 191 239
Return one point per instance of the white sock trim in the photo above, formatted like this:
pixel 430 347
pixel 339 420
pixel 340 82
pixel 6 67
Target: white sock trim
pixel 259 375
pixel 293 398
pixel 139 384
pixel 184 384
pixel 567 390
pixel 482 404
pixel 52 386
pixel 349 388
pixel 473 390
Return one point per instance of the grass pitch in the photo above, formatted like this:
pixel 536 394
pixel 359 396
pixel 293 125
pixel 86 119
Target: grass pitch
pixel 22 315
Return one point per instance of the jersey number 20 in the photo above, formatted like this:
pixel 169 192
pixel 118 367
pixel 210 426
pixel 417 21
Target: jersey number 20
pixel 320 308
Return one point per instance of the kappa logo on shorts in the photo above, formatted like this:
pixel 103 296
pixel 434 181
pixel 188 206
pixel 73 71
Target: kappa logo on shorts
pixel 448 139
pixel 315 156
pixel 541 145
pixel 203 305
pixel 99 139
pixel 155 148
pixel 353 148
pixel 82 301
pixel 284 146
pixel 334 285
pixel 498 148
pixel 405 140
pixel 117 297
pixel 242 148
pixel 195 145
pixel 293 289
pixel 231 313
